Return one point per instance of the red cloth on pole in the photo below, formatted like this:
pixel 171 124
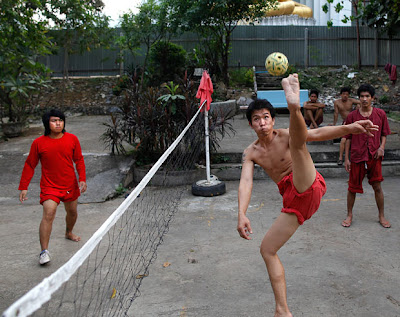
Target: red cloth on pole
pixel 393 74
pixel 392 71
pixel 205 90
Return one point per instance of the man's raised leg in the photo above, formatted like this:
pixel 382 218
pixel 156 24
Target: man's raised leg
pixel 303 168
pixel 280 232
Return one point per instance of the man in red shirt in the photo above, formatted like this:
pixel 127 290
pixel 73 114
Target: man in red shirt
pixel 57 151
pixel 366 154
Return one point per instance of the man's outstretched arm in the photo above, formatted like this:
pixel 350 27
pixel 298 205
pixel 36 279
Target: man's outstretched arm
pixel 333 132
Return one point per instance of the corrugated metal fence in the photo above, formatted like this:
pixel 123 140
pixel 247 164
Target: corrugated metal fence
pixel 304 46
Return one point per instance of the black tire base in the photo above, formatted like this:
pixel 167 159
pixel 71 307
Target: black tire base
pixel 209 190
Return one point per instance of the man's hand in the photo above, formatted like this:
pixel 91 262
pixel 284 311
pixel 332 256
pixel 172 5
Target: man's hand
pixel 347 165
pixel 22 195
pixel 363 126
pixel 244 227
pixel 379 153
pixel 82 187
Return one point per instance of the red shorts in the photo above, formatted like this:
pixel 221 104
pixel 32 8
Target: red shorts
pixel 303 205
pixel 59 195
pixel 373 169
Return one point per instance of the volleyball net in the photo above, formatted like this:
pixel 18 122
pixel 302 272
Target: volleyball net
pixel 103 278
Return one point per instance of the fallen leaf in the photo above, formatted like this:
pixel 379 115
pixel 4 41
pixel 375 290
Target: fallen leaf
pixel 141 276
pixel 166 264
pixel 385 88
pixel 114 293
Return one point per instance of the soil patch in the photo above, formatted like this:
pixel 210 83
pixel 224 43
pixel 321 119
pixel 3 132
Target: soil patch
pixel 94 95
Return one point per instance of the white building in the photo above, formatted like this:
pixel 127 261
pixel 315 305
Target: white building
pixel 319 16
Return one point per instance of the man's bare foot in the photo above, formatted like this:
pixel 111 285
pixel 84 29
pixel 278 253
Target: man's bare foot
pixel 71 236
pixel 291 86
pixel 347 222
pixel 384 223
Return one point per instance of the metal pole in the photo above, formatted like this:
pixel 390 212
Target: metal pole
pixel 207 145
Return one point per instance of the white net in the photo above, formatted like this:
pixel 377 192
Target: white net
pixel 104 276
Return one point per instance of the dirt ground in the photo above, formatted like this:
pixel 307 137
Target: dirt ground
pixel 94 95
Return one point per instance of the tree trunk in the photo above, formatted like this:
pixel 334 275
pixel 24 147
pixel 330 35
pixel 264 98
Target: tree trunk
pixel 144 67
pixel 225 55
pixel 66 62
pixel 358 36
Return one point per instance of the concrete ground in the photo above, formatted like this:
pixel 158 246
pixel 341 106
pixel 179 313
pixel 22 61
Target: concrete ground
pixel 330 270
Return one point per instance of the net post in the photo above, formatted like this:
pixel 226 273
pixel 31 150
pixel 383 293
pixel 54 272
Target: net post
pixel 207 139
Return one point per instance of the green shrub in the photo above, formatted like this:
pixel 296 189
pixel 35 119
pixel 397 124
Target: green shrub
pixel 122 83
pixel 167 62
pixel 153 119
pixel 384 99
pixel 241 77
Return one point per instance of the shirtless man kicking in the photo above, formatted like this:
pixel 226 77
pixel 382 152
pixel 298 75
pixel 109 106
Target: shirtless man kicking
pixel 283 154
pixel 344 106
pixel 313 110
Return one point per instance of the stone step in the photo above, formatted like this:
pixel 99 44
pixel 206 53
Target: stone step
pixel 232 171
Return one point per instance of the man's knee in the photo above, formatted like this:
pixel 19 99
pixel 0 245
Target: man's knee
pixel 308 114
pixel 266 250
pixel 49 210
pixel 71 207
pixel 377 187
pixel 49 215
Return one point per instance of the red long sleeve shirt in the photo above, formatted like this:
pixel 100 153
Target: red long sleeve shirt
pixel 57 157
pixel 363 146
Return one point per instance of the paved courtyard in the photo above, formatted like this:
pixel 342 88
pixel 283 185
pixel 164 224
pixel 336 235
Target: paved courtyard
pixel 330 270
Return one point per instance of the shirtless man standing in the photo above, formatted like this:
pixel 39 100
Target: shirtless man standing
pixel 344 106
pixel 313 110
pixel 283 154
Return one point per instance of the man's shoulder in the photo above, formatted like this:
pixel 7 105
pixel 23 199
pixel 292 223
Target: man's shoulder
pixel 354 100
pixel 40 139
pixel 70 136
pixel 352 116
pixel 379 111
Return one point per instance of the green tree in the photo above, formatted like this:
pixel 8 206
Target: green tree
pixel 382 14
pixel 81 26
pixel 215 21
pixel 147 27
pixel 167 62
pixel 23 39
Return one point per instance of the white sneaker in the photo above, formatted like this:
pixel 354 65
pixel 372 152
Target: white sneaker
pixel 44 257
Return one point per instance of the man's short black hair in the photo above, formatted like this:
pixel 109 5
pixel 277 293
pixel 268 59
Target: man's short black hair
pixel 366 88
pixel 46 119
pixel 258 104
pixel 345 89
pixel 314 91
